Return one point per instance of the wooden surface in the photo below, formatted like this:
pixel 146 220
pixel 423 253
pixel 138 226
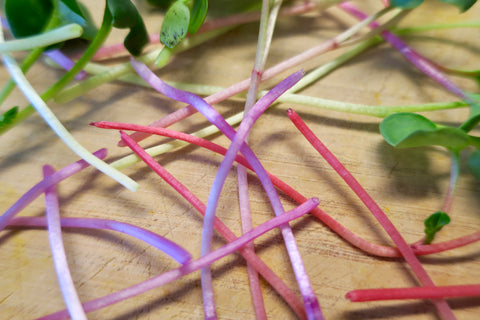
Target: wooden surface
pixel 408 184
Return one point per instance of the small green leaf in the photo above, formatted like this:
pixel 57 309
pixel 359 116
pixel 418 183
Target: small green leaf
pixel 435 223
pixel 408 130
pixel 463 5
pixel 406 4
pixel 199 12
pixel 397 127
pixel 175 24
pixel 8 116
pixel 474 163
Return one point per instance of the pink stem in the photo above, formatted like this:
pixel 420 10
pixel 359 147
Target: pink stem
pixel 192 266
pixel 472 290
pixel 381 217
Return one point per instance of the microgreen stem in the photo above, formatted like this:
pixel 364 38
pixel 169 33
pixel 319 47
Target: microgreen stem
pixel 267 23
pixel 172 249
pixel 246 252
pixel 70 295
pixel 346 234
pixel 40 187
pixel 59 129
pixel 60 59
pixel 45 39
pixel 26 64
pixel 472 290
pixel 192 266
pixel 381 217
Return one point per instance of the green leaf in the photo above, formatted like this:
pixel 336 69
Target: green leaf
pixel 474 163
pixel 28 17
pixel 199 12
pixel 397 127
pixel 406 4
pixel 8 116
pixel 435 223
pixel 175 24
pixel 125 15
pixel 407 130
pixel 463 5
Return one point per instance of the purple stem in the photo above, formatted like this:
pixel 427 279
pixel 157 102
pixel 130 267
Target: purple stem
pixel 224 169
pixel 312 306
pixel 65 62
pixel 70 295
pixel 411 55
pixel 172 249
pixel 192 266
pixel 40 187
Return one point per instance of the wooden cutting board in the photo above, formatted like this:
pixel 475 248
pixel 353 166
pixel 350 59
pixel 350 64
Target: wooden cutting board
pixel 408 184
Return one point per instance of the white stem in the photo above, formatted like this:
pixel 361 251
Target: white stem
pixel 56 125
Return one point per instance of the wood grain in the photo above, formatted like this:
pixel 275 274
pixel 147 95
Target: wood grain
pixel 408 184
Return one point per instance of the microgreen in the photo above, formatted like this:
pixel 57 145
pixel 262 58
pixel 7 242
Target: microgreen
pixel 434 223
pixel 47 22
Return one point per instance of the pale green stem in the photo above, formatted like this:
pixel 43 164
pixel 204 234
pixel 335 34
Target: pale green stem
pixel 26 64
pixel 45 39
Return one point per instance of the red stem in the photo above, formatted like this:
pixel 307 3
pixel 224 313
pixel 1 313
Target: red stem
pixel 362 295
pixel 381 217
